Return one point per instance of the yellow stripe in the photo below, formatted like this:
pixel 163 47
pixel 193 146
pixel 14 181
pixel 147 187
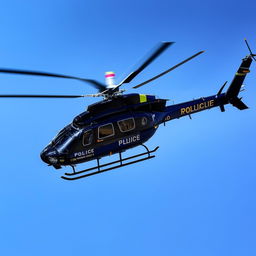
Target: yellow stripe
pixel 240 74
pixel 143 98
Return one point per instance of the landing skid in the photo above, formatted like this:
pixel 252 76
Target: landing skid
pixel 119 163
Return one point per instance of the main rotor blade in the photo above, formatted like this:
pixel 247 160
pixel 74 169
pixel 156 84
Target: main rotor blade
pixel 168 70
pixel 40 96
pixel 163 46
pixel 95 83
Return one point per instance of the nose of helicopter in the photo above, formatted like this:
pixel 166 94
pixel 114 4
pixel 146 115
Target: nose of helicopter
pixel 49 156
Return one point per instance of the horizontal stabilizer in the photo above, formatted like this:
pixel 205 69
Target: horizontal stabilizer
pixel 236 102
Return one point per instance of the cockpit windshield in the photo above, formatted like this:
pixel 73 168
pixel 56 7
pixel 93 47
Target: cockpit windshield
pixel 67 132
pixel 82 120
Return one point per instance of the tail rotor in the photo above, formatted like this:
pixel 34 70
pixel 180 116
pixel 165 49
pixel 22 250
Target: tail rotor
pixel 249 48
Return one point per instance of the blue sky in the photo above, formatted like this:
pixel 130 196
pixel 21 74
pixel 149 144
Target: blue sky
pixel 197 197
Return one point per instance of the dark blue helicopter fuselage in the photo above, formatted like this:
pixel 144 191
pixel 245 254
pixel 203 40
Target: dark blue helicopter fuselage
pixel 69 147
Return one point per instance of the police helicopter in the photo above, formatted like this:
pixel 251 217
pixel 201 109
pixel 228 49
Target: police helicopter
pixel 122 121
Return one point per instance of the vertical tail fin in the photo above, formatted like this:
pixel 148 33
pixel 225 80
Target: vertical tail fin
pixel 236 84
pixel 238 80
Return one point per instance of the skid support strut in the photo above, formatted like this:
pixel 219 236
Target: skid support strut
pixel 75 175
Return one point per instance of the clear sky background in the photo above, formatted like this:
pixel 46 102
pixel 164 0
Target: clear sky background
pixel 197 197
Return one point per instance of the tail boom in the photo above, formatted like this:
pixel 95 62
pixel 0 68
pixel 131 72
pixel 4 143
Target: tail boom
pixel 192 107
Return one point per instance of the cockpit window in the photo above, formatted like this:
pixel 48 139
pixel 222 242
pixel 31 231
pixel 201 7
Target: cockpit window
pixel 66 132
pixel 126 124
pixel 65 138
pixel 106 130
pixel 87 138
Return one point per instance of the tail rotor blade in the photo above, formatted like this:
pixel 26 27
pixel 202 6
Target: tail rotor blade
pixel 168 70
pixel 249 48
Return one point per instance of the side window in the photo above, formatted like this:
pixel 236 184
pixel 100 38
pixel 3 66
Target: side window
pixel 105 131
pixel 87 138
pixel 126 125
